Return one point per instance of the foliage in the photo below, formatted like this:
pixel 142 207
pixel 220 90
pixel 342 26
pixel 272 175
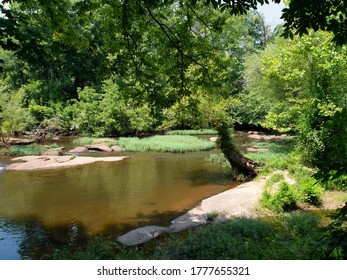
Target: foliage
pixel 13 117
pixel 89 141
pixel 287 237
pixel 280 155
pixel 311 193
pixel 303 81
pixel 192 132
pixel 300 16
pixel 211 216
pixel 333 241
pixel 285 199
pixel 98 248
pixel 275 178
pixel 165 143
pixel 109 112
pixel 32 149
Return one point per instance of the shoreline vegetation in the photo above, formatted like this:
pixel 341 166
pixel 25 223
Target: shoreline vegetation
pixel 289 208
pixel 174 143
pixel 160 143
pixel 189 64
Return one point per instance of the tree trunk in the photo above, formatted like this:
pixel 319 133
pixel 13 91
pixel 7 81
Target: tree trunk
pixel 240 164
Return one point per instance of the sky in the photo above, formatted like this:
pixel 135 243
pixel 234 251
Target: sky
pixel 272 13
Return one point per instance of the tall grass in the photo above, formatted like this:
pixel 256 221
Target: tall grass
pixel 193 132
pixel 290 236
pixel 90 140
pixel 280 155
pixel 33 149
pixel 166 143
pixel 98 248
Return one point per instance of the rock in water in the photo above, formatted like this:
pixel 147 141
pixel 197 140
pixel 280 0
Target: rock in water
pixel 141 235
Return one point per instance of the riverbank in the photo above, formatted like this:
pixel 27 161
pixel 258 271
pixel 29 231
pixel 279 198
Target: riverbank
pixel 285 185
pixel 237 202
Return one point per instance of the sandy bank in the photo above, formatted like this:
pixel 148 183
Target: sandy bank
pixel 48 162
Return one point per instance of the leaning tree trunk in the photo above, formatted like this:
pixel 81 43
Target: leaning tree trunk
pixel 240 163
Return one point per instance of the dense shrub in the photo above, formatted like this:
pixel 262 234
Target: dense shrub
pixel 284 199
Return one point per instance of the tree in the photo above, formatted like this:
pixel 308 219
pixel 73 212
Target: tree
pixel 33 25
pixel 157 44
pixel 303 81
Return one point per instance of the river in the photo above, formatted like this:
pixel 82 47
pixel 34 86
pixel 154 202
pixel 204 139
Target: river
pixel 45 209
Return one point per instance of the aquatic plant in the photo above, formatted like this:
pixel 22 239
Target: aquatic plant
pixel 165 143
pixel 33 149
pixel 192 132
pixel 90 140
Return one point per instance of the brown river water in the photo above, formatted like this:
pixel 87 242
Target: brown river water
pixel 44 209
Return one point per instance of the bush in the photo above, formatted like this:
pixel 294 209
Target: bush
pixel 33 149
pixel 311 193
pixel 109 112
pixel 285 199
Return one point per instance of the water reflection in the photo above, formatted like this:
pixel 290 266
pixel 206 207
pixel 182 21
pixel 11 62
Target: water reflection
pixel 52 207
pixel 29 239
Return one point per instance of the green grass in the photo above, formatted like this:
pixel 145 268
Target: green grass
pixel 98 248
pixel 280 156
pixel 29 150
pixel 90 141
pixel 288 236
pixel 193 132
pixel 285 199
pixel 166 143
pixel 275 178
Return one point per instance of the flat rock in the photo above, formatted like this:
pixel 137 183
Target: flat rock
pixel 100 148
pixel 238 201
pixel 213 139
pixel 141 235
pixel 266 137
pixel 78 150
pixel 52 153
pixel 255 149
pixel 192 218
pixel 49 162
